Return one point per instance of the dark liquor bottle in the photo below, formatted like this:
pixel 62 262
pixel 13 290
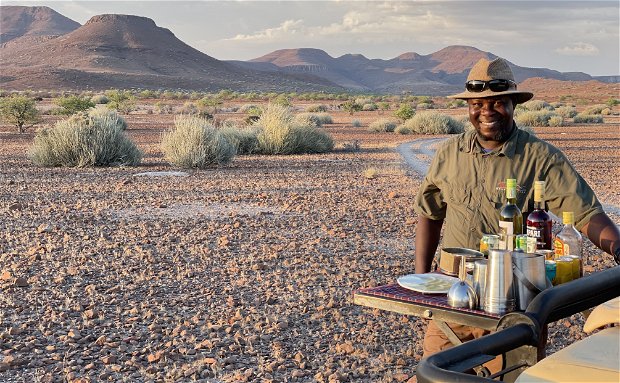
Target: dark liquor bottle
pixel 510 217
pixel 538 222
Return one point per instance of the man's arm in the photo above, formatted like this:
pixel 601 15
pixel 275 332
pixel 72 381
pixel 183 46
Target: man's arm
pixel 427 236
pixel 604 233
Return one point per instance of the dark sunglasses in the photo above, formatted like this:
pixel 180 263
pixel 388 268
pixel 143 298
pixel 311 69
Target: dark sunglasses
pixel 495 85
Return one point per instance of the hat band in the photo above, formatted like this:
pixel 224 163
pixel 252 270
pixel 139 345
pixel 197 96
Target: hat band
pixel 497 85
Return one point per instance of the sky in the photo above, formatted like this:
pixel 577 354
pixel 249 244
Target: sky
pixel 568 36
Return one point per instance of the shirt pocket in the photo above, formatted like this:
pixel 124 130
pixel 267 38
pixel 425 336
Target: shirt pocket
pixel 459 201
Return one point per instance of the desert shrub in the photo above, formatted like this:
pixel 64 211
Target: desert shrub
pixel 384 105
pixel 351 106
pixel 319 119
pixel 356 123
pixel 363 100
pixel 453 104
pixel 432 123
pixel 163 108
pixel 83 140
pixel 120 100
pixel 147 93
pixel 282 100
pixel 612 102
pixel 280 133
pixel 535 105
pixel 196 143
pixel 19 111
pixel 250 109
pixel 188 108
pixel 108 115
pixel 595 109
pixel 556 120
pixel 370 107
pixel 583 118
pixel 566 111
pixel 533 118
pixel 424 106
pixel 73 104
pixel 316 108
pixel 405 112
pixel 403 129
pixel 100 99
pixel 382 125
pixel 243 139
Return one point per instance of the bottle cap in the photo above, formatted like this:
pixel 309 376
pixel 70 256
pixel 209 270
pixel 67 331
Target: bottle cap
pixel 568 218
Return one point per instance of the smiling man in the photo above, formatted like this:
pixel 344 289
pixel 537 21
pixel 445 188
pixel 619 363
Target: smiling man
pixel 465 184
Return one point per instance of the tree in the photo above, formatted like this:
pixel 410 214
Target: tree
pixel 405 112
pixel 121 101
pixel 351 107
pixel 19 111
pixel 73 104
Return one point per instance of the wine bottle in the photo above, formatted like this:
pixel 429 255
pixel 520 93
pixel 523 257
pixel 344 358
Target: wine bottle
pixel 538 222
pixel 510 217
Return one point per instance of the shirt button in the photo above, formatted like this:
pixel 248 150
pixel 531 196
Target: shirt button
pixel 472 229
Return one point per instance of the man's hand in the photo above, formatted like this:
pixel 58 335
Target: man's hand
pixel 427 236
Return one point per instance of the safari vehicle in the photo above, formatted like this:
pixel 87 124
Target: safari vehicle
pixel 593 359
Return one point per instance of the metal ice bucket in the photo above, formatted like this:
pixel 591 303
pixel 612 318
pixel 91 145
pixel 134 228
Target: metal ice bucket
pixel 530 277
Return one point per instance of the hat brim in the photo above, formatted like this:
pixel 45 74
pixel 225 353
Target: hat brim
pixel 519 96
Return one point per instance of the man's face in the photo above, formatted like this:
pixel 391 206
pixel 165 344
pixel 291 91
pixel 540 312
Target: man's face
pixel 492 118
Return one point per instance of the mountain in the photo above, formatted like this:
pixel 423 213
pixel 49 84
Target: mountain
pixel 123 51
pixel 442 72
pixel 18 21
pixel 42 49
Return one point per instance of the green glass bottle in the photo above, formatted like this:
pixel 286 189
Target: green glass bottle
pixel 510 217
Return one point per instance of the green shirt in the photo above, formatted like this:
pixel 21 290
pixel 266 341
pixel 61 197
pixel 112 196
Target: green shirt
pixel 466 187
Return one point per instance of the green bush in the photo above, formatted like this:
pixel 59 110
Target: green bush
pixel 403 129
pixel 82 141
pixel 196 143
pixel 163 108
pixel 432 123
pixel 120 100
pixel 100 99
pixel 319 119
pixel 189 108
pixel 453 104
pixel 612 102
pixel 370 107
pixel 583 118
pixel 424 106
pixel 19 111
pixel 356 123
pixel 281 134
pixel 72 104
pixel 566 111
pixel 405 112
pixel 243 139
pixel 108 115
pixel 382 125
pixel 533 118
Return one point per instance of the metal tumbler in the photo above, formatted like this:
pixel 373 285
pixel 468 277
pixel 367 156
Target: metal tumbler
pixel 480 280
pixel 499 293
pixel 530 275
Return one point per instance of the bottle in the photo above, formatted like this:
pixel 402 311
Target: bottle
pixel 510 217
pixel 538 222
pixel 568 242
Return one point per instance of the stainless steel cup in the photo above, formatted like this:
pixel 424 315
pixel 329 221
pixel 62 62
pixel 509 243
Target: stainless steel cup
pixel 530 277
pixel 480 280
pixel 499 291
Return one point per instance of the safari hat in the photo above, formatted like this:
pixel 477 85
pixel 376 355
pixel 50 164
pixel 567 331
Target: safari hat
pixel 499 74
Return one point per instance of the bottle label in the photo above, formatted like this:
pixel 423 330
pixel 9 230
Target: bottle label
pixel 558 247
pixel 506 235
pixel 542 233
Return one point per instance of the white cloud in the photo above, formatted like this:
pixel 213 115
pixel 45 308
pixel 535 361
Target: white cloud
pixel 283 31
pixel 578 49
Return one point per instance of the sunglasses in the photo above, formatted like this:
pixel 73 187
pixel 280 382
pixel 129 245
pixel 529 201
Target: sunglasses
pixel 499 85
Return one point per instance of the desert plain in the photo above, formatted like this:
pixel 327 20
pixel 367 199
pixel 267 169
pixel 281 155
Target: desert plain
pixel 239 273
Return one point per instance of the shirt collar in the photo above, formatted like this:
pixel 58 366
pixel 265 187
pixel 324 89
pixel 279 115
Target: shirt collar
pixel 469 144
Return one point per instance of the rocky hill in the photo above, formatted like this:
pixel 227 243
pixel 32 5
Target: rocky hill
pixel 19 21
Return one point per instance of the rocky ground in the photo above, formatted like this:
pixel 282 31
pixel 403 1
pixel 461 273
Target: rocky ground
pixel 240 273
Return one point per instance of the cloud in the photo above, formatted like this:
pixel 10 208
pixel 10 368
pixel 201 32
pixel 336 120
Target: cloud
pixel 578 49
pixel 283 31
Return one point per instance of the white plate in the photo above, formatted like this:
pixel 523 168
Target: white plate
pixel 431 283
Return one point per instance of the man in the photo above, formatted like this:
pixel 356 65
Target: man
pixel 465 185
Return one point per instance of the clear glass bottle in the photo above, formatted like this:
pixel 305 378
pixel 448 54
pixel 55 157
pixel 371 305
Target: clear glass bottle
pixel 510 217
pixel 538 222
pixel 568 242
